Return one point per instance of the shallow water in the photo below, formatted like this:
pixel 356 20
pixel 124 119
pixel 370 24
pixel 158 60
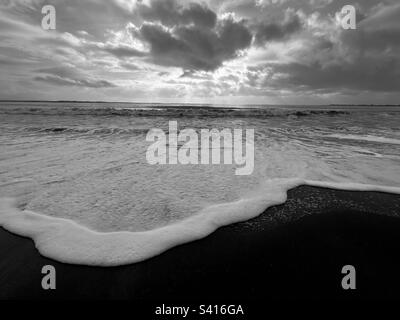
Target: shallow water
pixel 86 162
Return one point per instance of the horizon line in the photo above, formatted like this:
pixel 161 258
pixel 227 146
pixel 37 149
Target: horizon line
pixel 187 103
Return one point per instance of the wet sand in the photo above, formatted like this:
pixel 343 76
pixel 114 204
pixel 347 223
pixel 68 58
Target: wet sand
pixel 292 251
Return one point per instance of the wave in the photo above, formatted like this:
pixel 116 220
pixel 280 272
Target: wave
pixel 368 138
pixel 69 242
pixel 89 131
pixel 174 112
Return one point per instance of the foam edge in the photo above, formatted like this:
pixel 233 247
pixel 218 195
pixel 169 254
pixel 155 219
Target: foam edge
pixel 68 242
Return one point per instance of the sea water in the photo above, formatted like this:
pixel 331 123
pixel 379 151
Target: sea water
pixel 74 176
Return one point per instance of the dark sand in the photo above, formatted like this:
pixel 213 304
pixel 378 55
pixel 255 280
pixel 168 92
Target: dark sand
pixel 295 250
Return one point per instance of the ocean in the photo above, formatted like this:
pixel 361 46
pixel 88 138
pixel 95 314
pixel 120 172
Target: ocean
pixel 74 176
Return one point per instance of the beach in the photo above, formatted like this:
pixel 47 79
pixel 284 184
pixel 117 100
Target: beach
pixel 291 251
pixel 188 153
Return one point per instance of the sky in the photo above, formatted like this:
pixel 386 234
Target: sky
pixel 211 51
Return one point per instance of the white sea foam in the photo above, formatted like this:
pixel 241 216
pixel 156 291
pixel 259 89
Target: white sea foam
pixel 368 138
pixel 69 242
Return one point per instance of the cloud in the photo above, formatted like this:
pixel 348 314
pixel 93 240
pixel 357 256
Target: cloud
pixel 59 81
pixel 364 76
pixel 190 37
pixel 124 51
pixel 377 32
pixel 320 3
pixel 66 76
pixel 267 31
pixel 265 3
pixel 60 71
pixel 130 66
pixel 171 13
pixel 326 58
pixel 218 48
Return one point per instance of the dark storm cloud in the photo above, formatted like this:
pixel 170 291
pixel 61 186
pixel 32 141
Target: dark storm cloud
pixel 267 31
pixel 197 41
pixel 170 13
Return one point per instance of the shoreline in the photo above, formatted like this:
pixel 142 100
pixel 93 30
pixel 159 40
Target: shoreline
pixel 293 250
pixel 69 242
